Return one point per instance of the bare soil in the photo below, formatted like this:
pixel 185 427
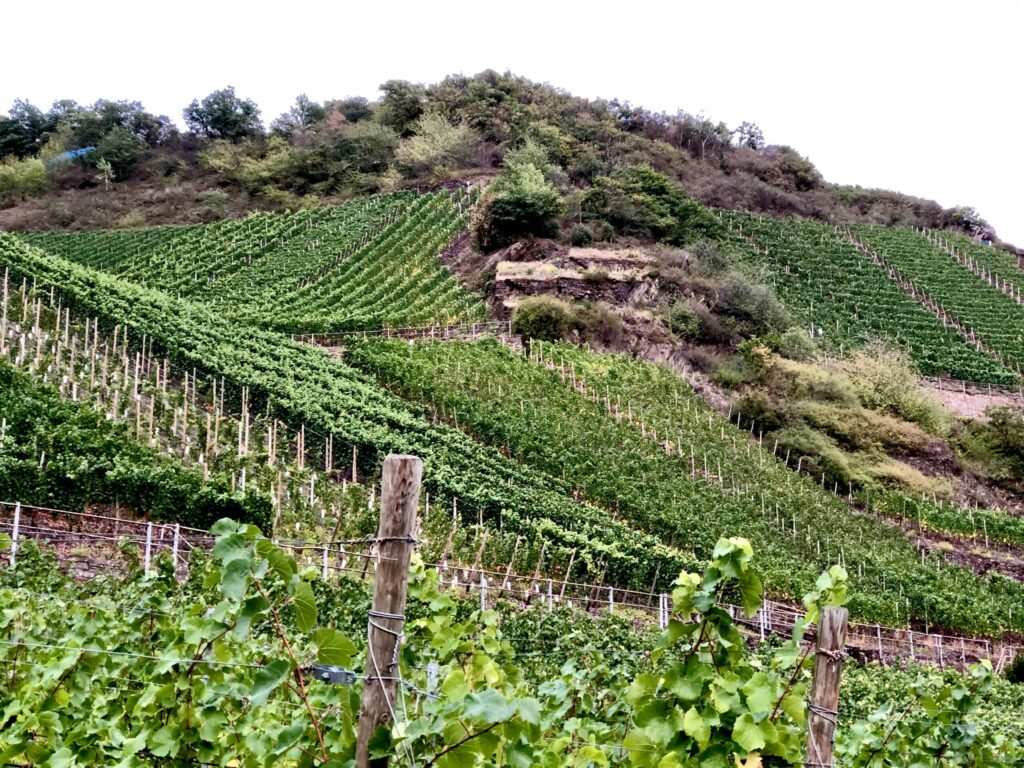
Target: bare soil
pixel 971 406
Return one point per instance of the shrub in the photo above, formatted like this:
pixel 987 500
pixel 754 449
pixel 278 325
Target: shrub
pixel 519 203
pixel 683 321
pixel 581 236
pixel 543 317
pixel 436 146
pixel 122 149
pixel 213 204
pixel 885 381
pixel 797 345
pixel 640 202
pixel 595 275
pixel 132 219
pixel 598 323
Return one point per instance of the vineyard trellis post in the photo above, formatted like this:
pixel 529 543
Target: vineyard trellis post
pixel 400 492
pixel 824 699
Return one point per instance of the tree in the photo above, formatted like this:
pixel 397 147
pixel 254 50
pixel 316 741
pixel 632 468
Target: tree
pixel 401 105
pixel 296 122
pixel 223 115
pixel 106 173
pixel 749 135
pixel 437 145
pixel 352 108
pixel 24 131
pixel 121 149
pixel 519 203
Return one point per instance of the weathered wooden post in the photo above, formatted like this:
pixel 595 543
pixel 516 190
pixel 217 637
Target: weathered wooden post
pixel 400 492
pixel 824 700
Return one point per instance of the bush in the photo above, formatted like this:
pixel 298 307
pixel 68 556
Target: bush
pixel 581 236
pixel 640 202
pixel 683 321
pixel 797 345
pixel 598 323
pixel 122 149
pixel 436 146
pixel 543 317
pixel 519 203
pixel 885 381
pixel 595 275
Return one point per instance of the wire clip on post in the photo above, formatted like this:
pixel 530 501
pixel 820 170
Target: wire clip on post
pixel 333 675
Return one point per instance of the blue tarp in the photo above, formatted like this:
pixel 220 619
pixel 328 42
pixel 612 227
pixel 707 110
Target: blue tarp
pixel 74 154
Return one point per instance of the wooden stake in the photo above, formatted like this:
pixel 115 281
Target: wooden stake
pixel 824 698
pixel 400 493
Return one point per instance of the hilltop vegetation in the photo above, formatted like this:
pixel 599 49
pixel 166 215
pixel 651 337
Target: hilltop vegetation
pixel 412 135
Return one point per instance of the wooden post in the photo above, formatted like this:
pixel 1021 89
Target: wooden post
pixel 400 493
pixel 824 699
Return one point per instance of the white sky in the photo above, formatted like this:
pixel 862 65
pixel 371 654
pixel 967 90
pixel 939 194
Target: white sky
pixel 920 97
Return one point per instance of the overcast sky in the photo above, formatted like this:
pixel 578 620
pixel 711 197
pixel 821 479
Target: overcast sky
pixel 920 97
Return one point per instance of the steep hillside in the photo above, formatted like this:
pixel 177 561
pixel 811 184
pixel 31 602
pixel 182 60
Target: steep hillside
pixel 362 265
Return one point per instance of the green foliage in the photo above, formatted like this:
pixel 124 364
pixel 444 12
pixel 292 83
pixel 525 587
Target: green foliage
pixel 363 265
pixel 543 317
pixel 640 202
pixel 437 146
pixel 581 236
pixel 645 459
pixel 122 149
pixel 519 203
pixel 884 381
pixel 224 115
pixel 683 321
pixel 400 106
pixel 797 345
pixel 845 300
pixel 21 179
pixel 332 397
pixel 66 456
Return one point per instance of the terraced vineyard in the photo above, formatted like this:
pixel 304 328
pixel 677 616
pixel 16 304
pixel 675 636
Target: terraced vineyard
pixel 996 318
pixel 828 284
pixel 642 443
pixel 363 265
pixel 307 386
pixel 992 261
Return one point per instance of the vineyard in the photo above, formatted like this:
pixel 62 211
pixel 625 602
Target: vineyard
pixel 836 290
pixel 995 317
pixel 154 382
pixel 362 265
pixel 634 438
pixel 308 388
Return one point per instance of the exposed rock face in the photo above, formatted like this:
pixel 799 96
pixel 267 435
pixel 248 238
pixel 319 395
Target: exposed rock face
pixel 533 267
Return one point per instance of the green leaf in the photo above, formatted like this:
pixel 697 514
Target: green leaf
pixel 333 647
pixel 750 592
pixel 164 743
pixel 287 738
pixel 747 733
pixel 267 679
pixel 761 692
pixel 62 758
pixel 305 607
pixel 251 608
pixel 488 706
pixel 642 689
pixel 236 579
pixel 231 547
pixel 696 727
